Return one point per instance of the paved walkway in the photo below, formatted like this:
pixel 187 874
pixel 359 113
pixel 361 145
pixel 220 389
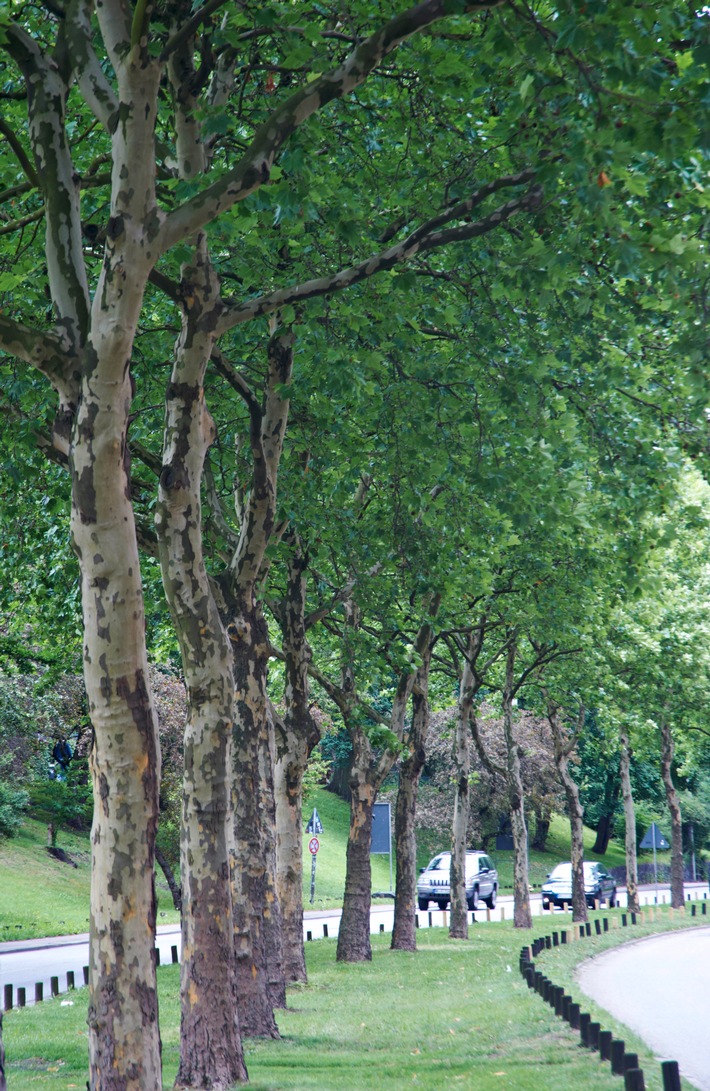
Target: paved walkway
pixel 660 988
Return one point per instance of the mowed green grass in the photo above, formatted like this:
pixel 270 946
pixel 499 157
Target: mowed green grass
pixel 451 1015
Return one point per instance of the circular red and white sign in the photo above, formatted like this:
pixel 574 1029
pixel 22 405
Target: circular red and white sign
pixel 313 846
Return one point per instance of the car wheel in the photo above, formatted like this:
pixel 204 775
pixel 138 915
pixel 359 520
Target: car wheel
pixel 613 900
pixel 493 898
pixel 423 903
pixel 442 904
pixel 472 901
pixel 545 903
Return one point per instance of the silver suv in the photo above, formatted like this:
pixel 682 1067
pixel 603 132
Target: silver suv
pixel 481 881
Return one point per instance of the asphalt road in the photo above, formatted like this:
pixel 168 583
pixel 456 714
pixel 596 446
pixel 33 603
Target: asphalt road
pixel 660 988
pixel 23 963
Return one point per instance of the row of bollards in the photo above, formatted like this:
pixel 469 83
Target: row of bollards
pixel 18 997
pixel 591 1034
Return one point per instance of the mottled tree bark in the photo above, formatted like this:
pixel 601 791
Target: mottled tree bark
pixel 404 930
pixel 632 889
pixel 667 751
pixel 522 915
pixel 296 735
pixel 3 1082
pixel 564 747
pixel 210 1045
pixel 253 867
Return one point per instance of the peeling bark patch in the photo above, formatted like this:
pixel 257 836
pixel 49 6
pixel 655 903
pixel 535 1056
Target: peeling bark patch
pixel 104 793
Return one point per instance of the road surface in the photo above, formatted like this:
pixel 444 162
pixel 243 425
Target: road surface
pixel 660 988
pixel 23 963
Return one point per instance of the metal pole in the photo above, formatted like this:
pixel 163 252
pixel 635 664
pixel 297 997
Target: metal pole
pixel 655 869
pixel 313 878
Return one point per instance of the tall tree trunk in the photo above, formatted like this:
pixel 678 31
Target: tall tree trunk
pixel 564 746
pixel 368 773
pixel 605 825
pixel 210 1045
pixel 458 925
pixel 3 1082
pixel 354 935
pixel 253 885
pixel 667 750
pixel 542 832
pixel 404 930
pixel 632 890
pixel 124 1039
pixel 522 915
pixel 296 735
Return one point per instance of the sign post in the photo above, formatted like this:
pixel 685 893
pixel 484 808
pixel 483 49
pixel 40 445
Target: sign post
pixel 381 842
pixel 314 827
pixel 653 838
pixel 313 846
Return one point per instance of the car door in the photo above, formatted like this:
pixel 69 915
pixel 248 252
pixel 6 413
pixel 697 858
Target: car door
pixel 485 878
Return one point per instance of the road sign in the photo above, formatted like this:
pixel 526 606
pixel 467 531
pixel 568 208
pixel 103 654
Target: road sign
pixel 314 823
pixel 654 839
pixel 313 846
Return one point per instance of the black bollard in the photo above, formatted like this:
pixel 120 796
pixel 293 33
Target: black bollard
pixel 584 1021
pixel 39 992
pixel 588 928
pixel 631 1060
pixel 309 937
pixel 597 926
pixel 86 975
pixel 174 954
pixel 633 1080
pixel 7 1002
pixel 594 1029
pixel 54 986
pixel 21 997
pixel 566 1003
pixel 70 980
pixel 555 939
pixel 325 931
pixel 671 1075
pixel 624 921
pixel 605 1045
pixel 617 1056
pixel 606 924
pixel 574 1016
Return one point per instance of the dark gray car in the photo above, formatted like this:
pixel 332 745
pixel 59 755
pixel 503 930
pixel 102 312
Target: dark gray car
pixel 599 886
pixel 481 881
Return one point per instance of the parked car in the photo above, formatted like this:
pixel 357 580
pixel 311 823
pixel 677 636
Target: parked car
pixel 599 886
pixel 481 881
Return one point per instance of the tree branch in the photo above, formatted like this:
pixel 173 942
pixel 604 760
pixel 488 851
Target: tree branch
pixel 427 237
pixel 254 168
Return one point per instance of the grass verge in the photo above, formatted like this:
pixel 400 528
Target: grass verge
pixel 453 1014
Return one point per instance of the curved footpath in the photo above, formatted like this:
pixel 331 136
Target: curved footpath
pixel 660 988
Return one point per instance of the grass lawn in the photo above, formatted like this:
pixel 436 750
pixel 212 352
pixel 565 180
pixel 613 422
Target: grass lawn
pixel 453 1014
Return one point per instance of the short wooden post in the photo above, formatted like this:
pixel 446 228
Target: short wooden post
pixel 633 1080
pixel 605 1044
pixel 3 1084
pixel 21 997
pixel 584 1021
pixel 70 980
pixel 86 975
pixel 309 937
pixel 617 1056
pixel 39 992
pixel 156 955
pixel 7 1001
pixel 671 1075
pixel 624 920
pixel 594 1029
pixel 597 926
pixel 574 1016
pixel 325 931
pixel 631 1060
pixel 174 953
pixel 54 986
pixel 502 912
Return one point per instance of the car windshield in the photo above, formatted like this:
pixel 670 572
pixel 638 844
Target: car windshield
pixel 440 863
pixel 564 871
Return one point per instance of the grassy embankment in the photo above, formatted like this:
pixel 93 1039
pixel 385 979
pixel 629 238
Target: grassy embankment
pixel 41 896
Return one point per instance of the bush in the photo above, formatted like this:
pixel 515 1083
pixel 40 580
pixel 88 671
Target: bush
pixel 13 804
